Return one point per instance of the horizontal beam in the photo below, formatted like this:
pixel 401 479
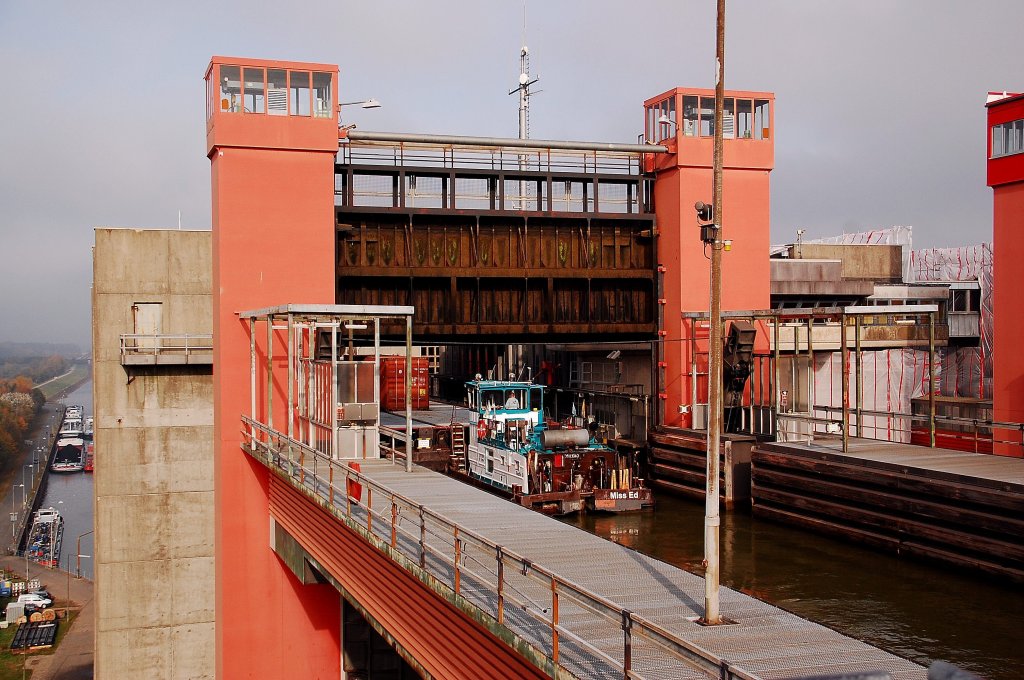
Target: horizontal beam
pixel 501 142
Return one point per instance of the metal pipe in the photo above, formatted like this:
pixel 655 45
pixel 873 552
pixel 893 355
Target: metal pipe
pixel 860 378
pixel 810 368
pixel 777 396
pixel 844 375
pixel 333 376
pixel 291 376
pixel 270 372
pixel 712 518
pixel 252 376
pixel 408 393
pixel 931 379
pixel 501 142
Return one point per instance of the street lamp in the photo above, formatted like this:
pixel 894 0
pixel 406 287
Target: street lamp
pixel 24 497
pixel 78 553
pixel 370 103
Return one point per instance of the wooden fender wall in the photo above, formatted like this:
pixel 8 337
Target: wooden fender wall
pixel 440 639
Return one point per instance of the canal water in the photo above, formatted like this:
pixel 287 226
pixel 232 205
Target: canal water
pixel 919 611
pixel 72 495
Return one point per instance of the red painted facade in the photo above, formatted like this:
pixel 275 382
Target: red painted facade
pixel 273 243
pixel 1006 177
pixel 684 177
pixel 423 625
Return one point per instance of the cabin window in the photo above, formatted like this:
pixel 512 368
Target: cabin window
pixel 322 101
pixel 762 119
pixel 691 116
pixel 707 116
pixel 298 92
pixel 744 118
pixel 277 92
pixel 230 89
pixel 490 464
pixel 1008 138
pixel 255 86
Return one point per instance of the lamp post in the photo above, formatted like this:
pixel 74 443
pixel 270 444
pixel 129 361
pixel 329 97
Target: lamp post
pixel 79 555
pixel 712 516
pixel 370 103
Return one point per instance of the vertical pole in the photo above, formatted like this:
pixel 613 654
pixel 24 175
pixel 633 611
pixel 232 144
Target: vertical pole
pixel 712 518
pixel 777 396
pixel 333 377
pixel 810 370
pixel 844 374
pixel 693 367
pixel 860 378
pixel 291 377
pixel 270 372
pixel 931 379
pixel 252 377
pixel 408 393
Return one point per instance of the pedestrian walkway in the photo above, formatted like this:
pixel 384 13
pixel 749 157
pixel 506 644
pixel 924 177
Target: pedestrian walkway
pixel 73 658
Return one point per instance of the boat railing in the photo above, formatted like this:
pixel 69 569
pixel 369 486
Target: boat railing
pixel 153 349
pixel 540 606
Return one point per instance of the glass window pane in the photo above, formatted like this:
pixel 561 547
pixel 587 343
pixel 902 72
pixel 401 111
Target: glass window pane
pixel 762 119
pixel 744 118
pixel 254 97
pixel 729 118
pixel 997 141
pixel 322 100
pixel 691 116
pixel 230 89
pixel 299 92
pixel 1018 137
pixel 707 116
pixel 277 92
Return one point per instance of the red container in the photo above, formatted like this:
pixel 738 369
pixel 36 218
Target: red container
pixel 392 383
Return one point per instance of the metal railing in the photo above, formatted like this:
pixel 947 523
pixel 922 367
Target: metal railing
pixel 529 599
pixel 169 348
pixel 883 425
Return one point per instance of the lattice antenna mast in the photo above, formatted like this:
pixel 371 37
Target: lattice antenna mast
pixel 523 89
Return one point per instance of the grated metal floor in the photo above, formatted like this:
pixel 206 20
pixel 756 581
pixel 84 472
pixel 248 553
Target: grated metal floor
pixel 766 642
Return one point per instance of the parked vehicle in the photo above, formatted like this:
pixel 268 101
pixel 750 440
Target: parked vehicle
pixel 34 600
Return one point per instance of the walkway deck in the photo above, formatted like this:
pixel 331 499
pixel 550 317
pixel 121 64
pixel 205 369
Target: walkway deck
pixel 766 642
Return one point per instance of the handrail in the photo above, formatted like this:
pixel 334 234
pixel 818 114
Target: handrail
pixel 449 562
pixel 190 342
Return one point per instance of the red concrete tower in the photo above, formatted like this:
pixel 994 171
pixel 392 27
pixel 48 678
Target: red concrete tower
pixel 1006 177
pixel 272 138
pixel 683 119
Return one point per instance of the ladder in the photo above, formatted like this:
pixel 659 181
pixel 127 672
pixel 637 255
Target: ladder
pixel 457 459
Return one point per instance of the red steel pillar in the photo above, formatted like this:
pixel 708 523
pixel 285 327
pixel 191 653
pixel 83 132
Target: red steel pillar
pixel 1005 148
pixel 272 138
pixel 682 119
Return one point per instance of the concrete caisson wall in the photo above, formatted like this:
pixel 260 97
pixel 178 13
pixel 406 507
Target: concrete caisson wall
pixel 154 462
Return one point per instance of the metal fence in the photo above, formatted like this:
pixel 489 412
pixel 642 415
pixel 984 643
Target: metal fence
pixel 528 598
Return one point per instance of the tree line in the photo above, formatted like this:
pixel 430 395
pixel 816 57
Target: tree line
pixel 20 401
pixel 37 369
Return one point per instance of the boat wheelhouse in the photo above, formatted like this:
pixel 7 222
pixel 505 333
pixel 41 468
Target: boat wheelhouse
pixel 543 464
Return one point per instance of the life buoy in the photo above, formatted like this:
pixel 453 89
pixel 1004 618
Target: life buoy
pixel 481 429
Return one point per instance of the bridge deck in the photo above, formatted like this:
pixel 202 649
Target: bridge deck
pixel 765 642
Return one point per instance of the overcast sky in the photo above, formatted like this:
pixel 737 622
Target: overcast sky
pixel 880 115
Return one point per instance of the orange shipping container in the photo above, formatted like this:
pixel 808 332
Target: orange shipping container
pixel 392 383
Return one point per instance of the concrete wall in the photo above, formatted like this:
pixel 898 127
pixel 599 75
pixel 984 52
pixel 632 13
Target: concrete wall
pixel 154 462
pixel 874 262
